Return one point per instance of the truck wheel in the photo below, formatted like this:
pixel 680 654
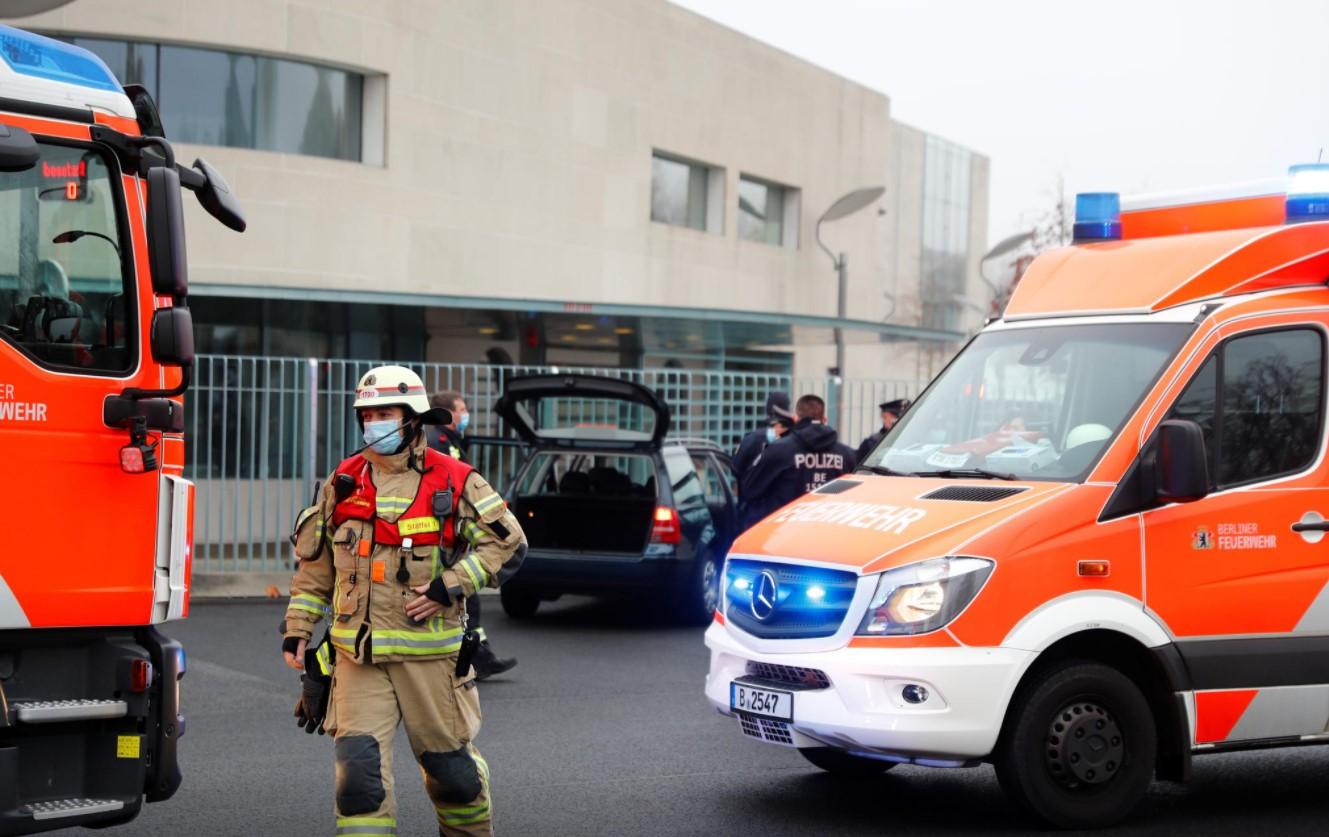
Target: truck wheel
pixel 699 592
pixel 518 602
pixel 1078 747
pixel 839 763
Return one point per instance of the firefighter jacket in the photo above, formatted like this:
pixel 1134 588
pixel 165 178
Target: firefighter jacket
pixel 362 554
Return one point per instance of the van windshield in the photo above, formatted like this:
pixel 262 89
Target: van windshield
pixel 1039 403
pixel 62 283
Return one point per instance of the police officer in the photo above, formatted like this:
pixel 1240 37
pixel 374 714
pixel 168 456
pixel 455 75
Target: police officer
pixel 450 439
pixel 890 414
pixel 806 457
pixel 779 418
pixel 400 535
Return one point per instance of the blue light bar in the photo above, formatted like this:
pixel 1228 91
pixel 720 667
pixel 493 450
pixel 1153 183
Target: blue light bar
pixel 1307 193
pixel 1097 217
pixel 46 58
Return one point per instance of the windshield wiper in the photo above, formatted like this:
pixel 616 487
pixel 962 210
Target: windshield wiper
pixel 982 473
pixel 882 470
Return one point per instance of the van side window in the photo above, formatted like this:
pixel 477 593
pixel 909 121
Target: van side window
pixel 1258 401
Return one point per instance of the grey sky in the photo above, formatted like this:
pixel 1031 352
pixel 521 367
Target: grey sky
pixel 1126 96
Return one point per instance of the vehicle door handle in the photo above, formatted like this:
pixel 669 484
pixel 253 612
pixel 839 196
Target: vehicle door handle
pixel 1321 526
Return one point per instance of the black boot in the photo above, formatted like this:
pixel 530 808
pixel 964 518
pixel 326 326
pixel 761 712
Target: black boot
pixel 487 664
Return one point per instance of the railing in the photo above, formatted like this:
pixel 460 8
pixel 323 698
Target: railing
pixel 263 432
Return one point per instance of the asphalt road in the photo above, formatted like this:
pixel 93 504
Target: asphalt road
pixel 602 730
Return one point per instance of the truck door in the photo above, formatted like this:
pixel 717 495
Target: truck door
pixel 1238 576
pixel 70 322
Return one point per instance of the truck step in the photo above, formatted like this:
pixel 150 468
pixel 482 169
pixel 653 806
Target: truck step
pixel 55 711
pixel 61 808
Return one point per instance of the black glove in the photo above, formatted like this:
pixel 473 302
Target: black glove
pixel 438 591
pixel 315 688
pixel 290 643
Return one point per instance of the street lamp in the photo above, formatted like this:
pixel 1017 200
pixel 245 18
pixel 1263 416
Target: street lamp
pixel 846 205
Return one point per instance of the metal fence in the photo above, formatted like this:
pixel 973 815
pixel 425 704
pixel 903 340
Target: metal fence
pixel 264 431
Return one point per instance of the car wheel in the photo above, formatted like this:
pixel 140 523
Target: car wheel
pixel 700 593
pixel 839 763
pixel 519 603
pixel 1079 746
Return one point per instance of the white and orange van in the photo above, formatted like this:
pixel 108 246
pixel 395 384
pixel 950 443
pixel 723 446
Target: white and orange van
pixel 1094 548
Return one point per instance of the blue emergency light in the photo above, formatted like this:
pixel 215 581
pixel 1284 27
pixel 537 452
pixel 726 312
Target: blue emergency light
pixel 1307 193
pixel 47 58
pixel 1097 217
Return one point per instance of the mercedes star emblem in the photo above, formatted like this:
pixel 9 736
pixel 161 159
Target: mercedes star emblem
pixel 763 598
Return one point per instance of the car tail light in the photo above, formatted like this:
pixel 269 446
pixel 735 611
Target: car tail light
pixel 664 526
pixel 140 675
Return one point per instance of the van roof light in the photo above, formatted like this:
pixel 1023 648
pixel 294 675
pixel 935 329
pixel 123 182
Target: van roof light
pixel 1097 217
pixel 1307 193
pixel 47 58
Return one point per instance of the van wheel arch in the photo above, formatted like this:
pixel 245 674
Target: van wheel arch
pixel 1159 672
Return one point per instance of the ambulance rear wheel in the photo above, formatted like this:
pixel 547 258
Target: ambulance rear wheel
pixel 517 602
pixel 839 763
pixel 1079 746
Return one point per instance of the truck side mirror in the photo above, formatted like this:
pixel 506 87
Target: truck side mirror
pixel 1181 463
pixel 18 150
pixel 172 336
pixel 166 235
pixel 217 198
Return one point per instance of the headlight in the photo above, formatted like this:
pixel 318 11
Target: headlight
pixel 922 597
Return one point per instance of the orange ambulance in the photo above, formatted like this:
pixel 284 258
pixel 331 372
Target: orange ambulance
pixel 96 344
pixel 1094 548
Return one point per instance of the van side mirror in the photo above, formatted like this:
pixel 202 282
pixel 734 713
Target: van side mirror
pixel 172 336
pixel 18 150
pixel 166 234
pixel 1181 463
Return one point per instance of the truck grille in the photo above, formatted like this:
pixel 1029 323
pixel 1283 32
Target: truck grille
pixel 765 729
pixel 795 676
pixel 786 601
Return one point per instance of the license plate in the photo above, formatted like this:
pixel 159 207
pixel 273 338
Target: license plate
pixel 765 702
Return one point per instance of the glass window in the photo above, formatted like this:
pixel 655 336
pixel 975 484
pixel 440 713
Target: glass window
pixel 216 97
pixel 62 286
pixel 945 233
pixel 618 475
pixel 683 479
pixel 761 208
pixel 1039 403
pixel 1265 418
pixel 678 192
pixel 712 483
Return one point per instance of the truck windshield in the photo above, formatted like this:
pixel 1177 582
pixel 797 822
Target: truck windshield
pixel 1036 403
pixel 62 283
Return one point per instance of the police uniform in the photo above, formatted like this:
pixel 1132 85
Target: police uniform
pixel 897 407
pixel 386 524
pixel 450 442
pixel 800 461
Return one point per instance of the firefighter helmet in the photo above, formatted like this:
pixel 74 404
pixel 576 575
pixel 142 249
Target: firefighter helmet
pixel 386 386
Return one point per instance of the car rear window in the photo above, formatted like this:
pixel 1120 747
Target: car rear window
pixel 583 472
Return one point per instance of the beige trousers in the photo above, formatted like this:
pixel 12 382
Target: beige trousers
pixel 442 716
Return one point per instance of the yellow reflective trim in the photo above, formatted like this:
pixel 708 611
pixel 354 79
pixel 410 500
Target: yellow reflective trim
pixel 485 504
pixel 416 652
pixel 317 611
pixel 472 532
pixel 310 598
pixel 417 525
pixel 466 566
pixel 366 821
pixel 465 811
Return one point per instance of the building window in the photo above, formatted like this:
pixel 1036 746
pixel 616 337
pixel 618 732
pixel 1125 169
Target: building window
pixel 217 97
pixel 767 212
pixel 685 193
pixel 945 238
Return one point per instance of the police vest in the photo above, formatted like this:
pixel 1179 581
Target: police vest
pixel 442 475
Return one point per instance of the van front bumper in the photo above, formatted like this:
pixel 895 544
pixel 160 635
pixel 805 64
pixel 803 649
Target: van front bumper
pixel 862 708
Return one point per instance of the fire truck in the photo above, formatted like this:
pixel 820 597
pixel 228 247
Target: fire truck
pixel 1094 549
pixel 96 348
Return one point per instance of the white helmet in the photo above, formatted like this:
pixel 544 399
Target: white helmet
pixel 1083 434
pixel 386 386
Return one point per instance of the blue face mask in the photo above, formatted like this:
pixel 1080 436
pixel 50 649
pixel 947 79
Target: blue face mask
pixel 383 436
pixel 770 435
pixel 462 422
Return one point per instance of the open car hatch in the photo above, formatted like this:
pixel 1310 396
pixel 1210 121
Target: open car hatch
pixel 583 410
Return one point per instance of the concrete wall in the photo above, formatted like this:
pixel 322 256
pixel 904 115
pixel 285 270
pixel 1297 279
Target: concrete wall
pixel 516 157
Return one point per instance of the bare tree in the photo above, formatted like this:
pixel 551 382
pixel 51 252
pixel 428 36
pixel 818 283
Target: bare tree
pixel 1053 226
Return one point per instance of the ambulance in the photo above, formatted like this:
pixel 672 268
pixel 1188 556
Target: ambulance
pixel 1094 548
pixel 96 347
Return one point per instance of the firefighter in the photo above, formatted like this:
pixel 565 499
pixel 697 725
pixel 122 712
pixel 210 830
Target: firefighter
pixel 800 461
pixel 450 439
pixel 890 414
pixel 400 536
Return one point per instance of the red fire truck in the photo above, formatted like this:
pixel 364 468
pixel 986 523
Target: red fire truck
pixel 96 346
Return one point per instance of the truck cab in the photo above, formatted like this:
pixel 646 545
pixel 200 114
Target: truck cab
pixel 96 345
pixel 1094 548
